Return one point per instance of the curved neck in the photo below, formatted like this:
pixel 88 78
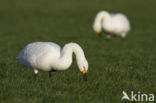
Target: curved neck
pixel 65 59
pixel 101 16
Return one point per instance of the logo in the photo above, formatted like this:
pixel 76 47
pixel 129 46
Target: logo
pixel 137 96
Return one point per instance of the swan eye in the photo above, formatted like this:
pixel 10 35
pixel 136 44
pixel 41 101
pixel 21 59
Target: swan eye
pixel 84 71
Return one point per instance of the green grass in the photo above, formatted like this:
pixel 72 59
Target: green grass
pixel 114 65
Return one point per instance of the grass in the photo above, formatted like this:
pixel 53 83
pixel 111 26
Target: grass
pixel 114 65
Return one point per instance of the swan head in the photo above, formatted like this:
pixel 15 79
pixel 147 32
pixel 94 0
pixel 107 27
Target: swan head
pixel 97 27
pixel 80 57
pixel 83 66
pixel 84 70
pixel 98 32
pixel 98 22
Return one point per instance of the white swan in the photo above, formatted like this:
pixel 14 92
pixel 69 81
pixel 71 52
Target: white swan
pixel 116 24
pixel 48 56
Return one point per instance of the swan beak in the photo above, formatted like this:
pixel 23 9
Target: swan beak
pixel 97 33
pixel 84 72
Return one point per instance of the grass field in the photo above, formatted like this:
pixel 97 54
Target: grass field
pixel 114 65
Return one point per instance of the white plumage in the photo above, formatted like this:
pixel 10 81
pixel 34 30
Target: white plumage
pixel 48 56
pixel 116 24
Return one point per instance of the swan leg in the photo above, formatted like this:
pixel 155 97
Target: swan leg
pixel 35 72
pixel 50 74
pixel 123 35
pixel 108 36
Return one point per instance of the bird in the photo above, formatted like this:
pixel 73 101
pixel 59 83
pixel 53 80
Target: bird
pixel 113 24
pixel 50 57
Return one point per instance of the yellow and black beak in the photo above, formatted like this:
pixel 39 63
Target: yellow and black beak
pixel 84 72
pixel 97 33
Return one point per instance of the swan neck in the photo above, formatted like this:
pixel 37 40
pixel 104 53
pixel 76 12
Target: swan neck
pixel 99 19
pixel 103 15
pixel 66 55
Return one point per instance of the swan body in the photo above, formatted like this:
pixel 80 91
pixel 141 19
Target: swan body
pixel 116 24
pixel 48 56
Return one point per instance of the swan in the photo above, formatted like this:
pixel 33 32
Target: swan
pixel 115 24
pixel 50 57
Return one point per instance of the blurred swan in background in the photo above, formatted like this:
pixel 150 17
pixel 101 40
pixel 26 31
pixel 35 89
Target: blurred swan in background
pixel 112 24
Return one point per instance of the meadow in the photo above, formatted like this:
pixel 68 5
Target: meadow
pixel 115 65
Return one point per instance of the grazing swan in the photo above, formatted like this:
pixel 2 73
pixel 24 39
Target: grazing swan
pixel 48 56
pixel 115 24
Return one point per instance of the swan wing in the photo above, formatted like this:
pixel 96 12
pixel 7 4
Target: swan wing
pixel 39 55
pixel 116 24
pixel 121 21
